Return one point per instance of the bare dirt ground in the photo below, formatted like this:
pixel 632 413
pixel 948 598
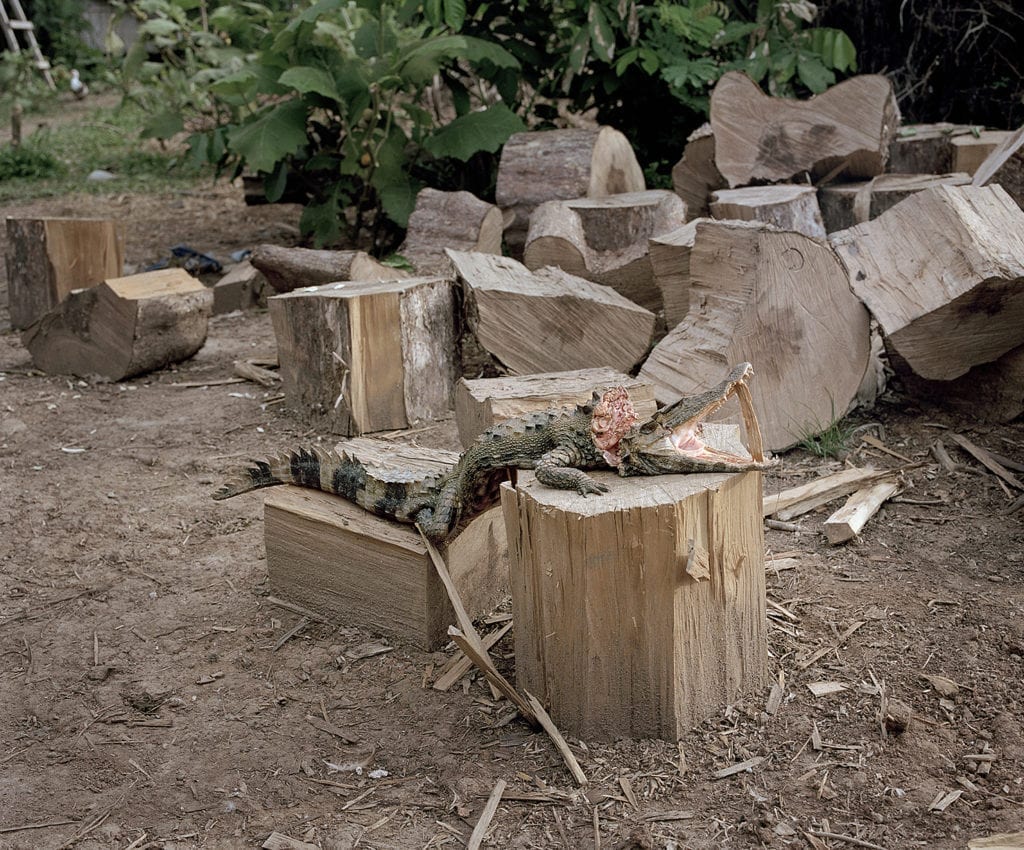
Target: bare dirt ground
pixel 144 701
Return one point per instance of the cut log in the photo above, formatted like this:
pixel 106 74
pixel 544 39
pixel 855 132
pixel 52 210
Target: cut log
pixel 355 569
pixel 943 273
pixel 241 288
pixel 367 356
pixel 775 139
pixel 287 269
pixel 548 320
pixel 847 522
pixel 457 220
pixel 47 258
pixel 925 148
pixel 845 204
pixel 481 403
pixel 670 263
pixel 781 301
pixel 605 240
pixel 551 165
pixel 124 326
pixel 971 150
pixel 640 612
pixel 787 206
pixel 696 176
pixel 1005 166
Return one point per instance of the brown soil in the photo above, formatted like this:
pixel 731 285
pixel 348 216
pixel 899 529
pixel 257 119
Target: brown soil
pixel 143 701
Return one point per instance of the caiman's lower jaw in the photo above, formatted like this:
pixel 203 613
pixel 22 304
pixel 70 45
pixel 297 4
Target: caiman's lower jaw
pixel 687 441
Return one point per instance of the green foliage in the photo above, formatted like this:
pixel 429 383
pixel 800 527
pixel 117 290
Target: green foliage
pixel 28 162
pixel 21 84
pixel 59 25
pixel 830 440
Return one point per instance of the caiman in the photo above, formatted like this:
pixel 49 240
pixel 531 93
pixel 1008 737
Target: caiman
pixel 558 445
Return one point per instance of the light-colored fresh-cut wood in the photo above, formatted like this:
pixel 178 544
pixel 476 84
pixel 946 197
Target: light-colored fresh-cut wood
pixel 548 165
pixel 759 138
pixel 795 501
pixel 241 288
pixel 358 357
pixel 483 402
pixel 613 633
pixel 47 258
pixel 457 220
pixel 548 320
pixel 943 273
pixel 1005 166
pixel 925 148
pixel 696 176
pixel 776 299
pixel 605 240
pixel 123 326
pixel 845 204
pixel 287 269
pixel 970 150
pixel 847 522
pixel 787 206
pixel 670 263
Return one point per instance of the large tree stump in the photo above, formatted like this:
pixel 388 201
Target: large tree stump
pixel 356 569
pixel 550 165
pixel 457 220
pixel 47 258
pixel 548 320
pixel 787 206
pixel 605 240
pixel 287 269
pixel 696 176
pixel 122 327
pixel 367 356
pixel 845 204
pixel 484 402
pixel 781 301
pixel 971 150
pixel 943 273
pixel 773 139
pixel 640 612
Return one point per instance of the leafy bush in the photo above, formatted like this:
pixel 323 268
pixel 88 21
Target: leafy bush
pixel 27 161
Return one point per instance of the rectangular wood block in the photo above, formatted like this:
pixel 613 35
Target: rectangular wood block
pixel 356 569
pixel 640 612
pixel 364 356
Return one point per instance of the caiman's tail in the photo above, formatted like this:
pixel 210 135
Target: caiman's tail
pixel 319 469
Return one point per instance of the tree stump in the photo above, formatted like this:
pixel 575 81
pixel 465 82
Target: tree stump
pixel 548 320
pixel 550 165
pixel 484 402
pixel 47 258
pixel 696 176
pixel 605 240
pixel 781 301
pixel 122 327
pixel 641 612
pixel 970 150
pixel 457 220
pixel 774 139
pixel 845 204
pixel 287 269
pixel 367 356
pixel 943 273
pixel 787 206
pixel 356 569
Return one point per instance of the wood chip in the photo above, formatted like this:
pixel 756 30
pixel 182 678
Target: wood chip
pixel 986 460
pixel 944 801
pixel 796 501
pixel 1002 841
pixel 821 689
pixel 330 729
pixel 561 744
pixel 845 636
pixel 739 767
pixel 462 664
pixel 484 823
pixel 847 522
pixel 943 686
pixel 279 841
pixel 677 814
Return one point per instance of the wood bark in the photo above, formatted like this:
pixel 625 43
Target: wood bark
pixel 670 264
pixel 845 204
pixel 367 356
pixel 696 176
pixel 640 612
pixel 457 220
pixel 47 258
pixel 123 326
pixel 787 206
pixel 548 320
pixel 484 402
pixel 287 269
pixel 943 273
pixel 242 287
pixel 970 150
pixel 552 165
pixel 781 301
pixel 925 148
pixel 772 139
pixel 605 240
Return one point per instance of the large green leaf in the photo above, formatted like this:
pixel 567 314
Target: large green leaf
pixel 274 135
pixel 602 38
pixel 322 220
pixel 455 13
pixel 478 131
pixel 306 79
pixel 398 200
pixel 813 73
pixel 164 125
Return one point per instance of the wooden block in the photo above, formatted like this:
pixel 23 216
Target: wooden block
pixel 457 220
pixel 787 206
pixel 925 148
pixel 641 612
pixel 47 258
pixel 367 356
pixel 970 151
pixel 124 326
pixel 1005 166
pixel 943 273
pixel 847 522
pixel 241 288
pixel 696 176
pixel 845 204
pixel 484 402
pixel 670 263
pixel 356 569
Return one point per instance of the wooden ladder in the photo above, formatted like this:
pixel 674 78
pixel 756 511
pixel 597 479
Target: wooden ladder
pixel 16 22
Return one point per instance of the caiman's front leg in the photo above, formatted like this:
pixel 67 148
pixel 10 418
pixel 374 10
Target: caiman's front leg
pixel 559 468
